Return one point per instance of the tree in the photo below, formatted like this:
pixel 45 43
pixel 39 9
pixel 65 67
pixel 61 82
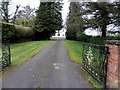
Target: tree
pixel 26 16
pixel 48 20
pixel 75 22
pixel 27 12
pixel 6 17
pixel 102 15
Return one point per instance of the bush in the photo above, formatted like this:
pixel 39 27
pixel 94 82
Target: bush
pixel 8 30
pixel 113 38
pixel 97 40
pixel 71 35
pixel 84 38
pixel 15 33
pixel 23 32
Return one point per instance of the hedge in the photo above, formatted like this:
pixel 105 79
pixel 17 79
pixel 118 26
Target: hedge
pixel 113 38
pixel 97 40
pixel 13 32
pixel 8 30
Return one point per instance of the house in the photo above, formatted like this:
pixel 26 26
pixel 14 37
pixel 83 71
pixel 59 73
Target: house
pixel 59 34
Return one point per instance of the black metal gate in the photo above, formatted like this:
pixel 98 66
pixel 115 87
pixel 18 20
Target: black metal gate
pixel 95 61
pixel 5 55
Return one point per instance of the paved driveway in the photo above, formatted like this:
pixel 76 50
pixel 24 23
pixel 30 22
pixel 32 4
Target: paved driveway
pixel 51 68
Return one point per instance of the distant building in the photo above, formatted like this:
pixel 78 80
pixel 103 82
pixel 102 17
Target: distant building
pixel 60 34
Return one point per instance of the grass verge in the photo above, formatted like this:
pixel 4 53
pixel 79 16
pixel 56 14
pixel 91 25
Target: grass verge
pixel 21 52
pixel 74 49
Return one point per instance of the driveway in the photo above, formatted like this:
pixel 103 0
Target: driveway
pixel 50 68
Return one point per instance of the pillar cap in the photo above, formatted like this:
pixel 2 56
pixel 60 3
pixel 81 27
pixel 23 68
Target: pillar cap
pixel 113 42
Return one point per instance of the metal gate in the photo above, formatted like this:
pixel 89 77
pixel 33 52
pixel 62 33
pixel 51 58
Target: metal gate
pixel 5 55
pixel 95 61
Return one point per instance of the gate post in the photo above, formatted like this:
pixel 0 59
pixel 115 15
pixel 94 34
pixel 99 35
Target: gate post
pixel 113 66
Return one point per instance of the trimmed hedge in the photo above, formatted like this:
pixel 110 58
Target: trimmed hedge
pixel 84 38
pixel 113 38
pixel 15 33
pixel 97 40
pixel 8 30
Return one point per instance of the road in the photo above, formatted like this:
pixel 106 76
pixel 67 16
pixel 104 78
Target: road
pixel 51 68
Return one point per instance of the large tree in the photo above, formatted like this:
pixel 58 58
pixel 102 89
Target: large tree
pixel 4 11
pixel 75 22
pixel 102 14
pixel 48 20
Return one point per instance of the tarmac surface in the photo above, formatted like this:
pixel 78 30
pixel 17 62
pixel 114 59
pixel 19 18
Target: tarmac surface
pixel 50 68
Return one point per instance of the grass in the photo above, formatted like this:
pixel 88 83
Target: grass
pixel 74 49
pixel 21 52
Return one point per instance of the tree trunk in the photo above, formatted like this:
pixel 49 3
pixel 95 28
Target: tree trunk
pixel 104 29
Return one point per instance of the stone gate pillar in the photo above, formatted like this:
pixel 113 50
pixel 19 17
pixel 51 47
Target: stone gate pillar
pixel 113 67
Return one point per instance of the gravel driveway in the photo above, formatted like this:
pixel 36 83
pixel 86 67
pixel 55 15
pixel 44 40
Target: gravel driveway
pixel 51 68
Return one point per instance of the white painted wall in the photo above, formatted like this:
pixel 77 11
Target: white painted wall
pixel 61 34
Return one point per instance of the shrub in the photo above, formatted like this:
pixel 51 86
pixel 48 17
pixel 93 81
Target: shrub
pixel 23 32
pixel 113 38
pixel 84 38
pixel 71 35
pixel 8 30
pixel 97 40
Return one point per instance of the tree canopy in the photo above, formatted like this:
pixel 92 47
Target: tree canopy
pixel 96 15
pixel 75 22
pixel 48 20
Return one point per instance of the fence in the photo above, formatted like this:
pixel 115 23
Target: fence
pixel 95 61
pixel 5 55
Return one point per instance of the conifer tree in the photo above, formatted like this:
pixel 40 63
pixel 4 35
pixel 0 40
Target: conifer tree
pixel 48 20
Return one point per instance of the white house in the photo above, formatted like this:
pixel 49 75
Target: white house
pixel 60 34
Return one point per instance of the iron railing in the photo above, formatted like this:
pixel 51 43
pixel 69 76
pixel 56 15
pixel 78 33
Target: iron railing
pixel 95 61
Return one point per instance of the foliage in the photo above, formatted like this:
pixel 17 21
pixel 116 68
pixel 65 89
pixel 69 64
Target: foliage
pixel 102 14
pixel 8 30
pixel 113 38
pixel 84 38
pixel 15 32
pixel 97 40
pixel 26 16
pixel 23 32
pixel 91 39
pixel 22 21
pixel 71 34
pixel 75 23
pixel 96 15
pixel 48 20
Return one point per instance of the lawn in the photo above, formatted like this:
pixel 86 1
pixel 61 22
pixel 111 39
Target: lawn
pixel 21 52
pixel 74 49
